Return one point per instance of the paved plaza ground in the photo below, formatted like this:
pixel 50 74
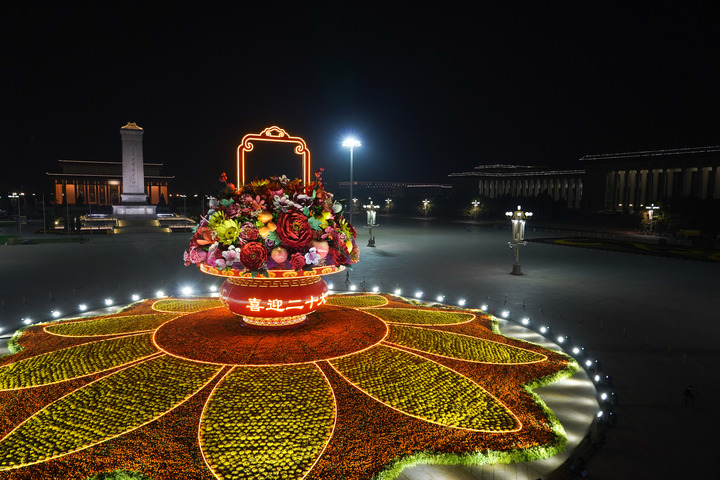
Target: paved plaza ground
pixel 651 321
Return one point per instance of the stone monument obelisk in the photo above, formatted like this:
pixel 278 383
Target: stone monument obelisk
pixel 134 200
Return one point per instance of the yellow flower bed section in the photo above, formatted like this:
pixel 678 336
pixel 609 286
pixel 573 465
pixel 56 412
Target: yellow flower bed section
pixel 413 316
pixel 103 409
pixel 104 326
pixel 425 389
pixel 458 346
pixel 186 305
pixel 270 422
pixel 74 362
pixel 357 301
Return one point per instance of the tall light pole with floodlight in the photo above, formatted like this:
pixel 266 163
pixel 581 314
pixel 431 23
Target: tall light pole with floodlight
pixel 351 143
pixel 518 235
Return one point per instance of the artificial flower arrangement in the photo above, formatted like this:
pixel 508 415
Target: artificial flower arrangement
pixel 273 224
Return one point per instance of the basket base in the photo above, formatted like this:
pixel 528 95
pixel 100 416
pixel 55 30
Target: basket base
pixel 274 323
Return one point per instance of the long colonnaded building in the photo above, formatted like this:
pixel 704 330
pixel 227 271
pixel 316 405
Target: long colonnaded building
pixel 630 181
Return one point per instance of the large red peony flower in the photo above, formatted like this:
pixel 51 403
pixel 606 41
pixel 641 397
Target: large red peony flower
pixel 339 257
pixel 294 229
pixel 253 255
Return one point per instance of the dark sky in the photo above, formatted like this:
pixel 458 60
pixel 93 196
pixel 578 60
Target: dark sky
pixel 428 90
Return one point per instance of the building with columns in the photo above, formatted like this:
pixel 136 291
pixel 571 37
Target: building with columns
pixel 100 183
pixel 495 181
pixel 630 181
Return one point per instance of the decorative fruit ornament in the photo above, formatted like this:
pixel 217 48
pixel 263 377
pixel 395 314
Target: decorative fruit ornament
pixel 279 254
pixel 321 247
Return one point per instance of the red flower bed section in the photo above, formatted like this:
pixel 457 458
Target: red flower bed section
pixel 216 336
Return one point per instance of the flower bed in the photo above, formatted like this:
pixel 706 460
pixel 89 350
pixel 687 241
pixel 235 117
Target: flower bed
pixel 422 317
pixel 466 400
pixel 281 436
pixel 109 325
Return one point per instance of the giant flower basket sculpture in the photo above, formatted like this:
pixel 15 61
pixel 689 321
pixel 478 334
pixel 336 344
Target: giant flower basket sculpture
pixel 272 240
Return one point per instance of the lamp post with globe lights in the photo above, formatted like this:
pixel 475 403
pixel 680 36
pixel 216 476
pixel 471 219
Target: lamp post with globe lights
pixel 351 143
pixel 651 212
pixel 371 210
pixel 475 209
pixel 425 206
pixel 518 219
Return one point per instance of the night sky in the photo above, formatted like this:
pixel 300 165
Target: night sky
pixel 429 90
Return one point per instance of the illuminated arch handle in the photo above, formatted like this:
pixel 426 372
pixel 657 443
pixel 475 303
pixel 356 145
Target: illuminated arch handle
pixel 271 134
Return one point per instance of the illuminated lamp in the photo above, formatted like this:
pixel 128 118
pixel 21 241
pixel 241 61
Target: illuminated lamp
pixel 575 350
pixel 108 301
pixel 28 321
pixel 418 294
pixel 603 396
pixel 376 289
pixel 135 297
pixel 213 288
pixel 588 363
pixel 599 414
pixel 160 294
pixel 543 329
pixel 82 307
pixel 461 302
pixel 484 307
pixel 440 298
pixel 398 291
pixel 186 290
pixel 330 286
pixel 560 339
pixel 277 135
pixel 55 313
pixel 505 314
pixel 525 321
pixel 353 287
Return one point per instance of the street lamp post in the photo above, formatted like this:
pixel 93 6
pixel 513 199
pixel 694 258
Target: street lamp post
pixel 476 207
pixel 371 210
pixel 651 212
pixel 518 219
pixel 17 197
pixel 184 197
pixel 351 143
pixel 426 206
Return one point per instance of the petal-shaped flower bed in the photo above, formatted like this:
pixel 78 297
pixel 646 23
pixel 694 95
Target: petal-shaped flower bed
pixel 104 326
pixel 186 305
pixel 369 385
pixel 354 301
pixel 268 422
pixel 74 362
pixel 422 316
pixel 462 347
pixel 425 389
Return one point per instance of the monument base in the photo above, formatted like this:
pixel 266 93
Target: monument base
pixel 136 210
pixel 133 198
pixel 140 226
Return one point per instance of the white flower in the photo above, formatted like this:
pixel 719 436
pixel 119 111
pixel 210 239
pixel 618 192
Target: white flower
pixel 231 255
pixel 312 257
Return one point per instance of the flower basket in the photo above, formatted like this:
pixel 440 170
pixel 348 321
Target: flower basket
pixel 282 300
pixel 272 240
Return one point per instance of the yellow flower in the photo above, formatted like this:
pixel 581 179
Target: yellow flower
pixel 227 232
pixel 216 219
